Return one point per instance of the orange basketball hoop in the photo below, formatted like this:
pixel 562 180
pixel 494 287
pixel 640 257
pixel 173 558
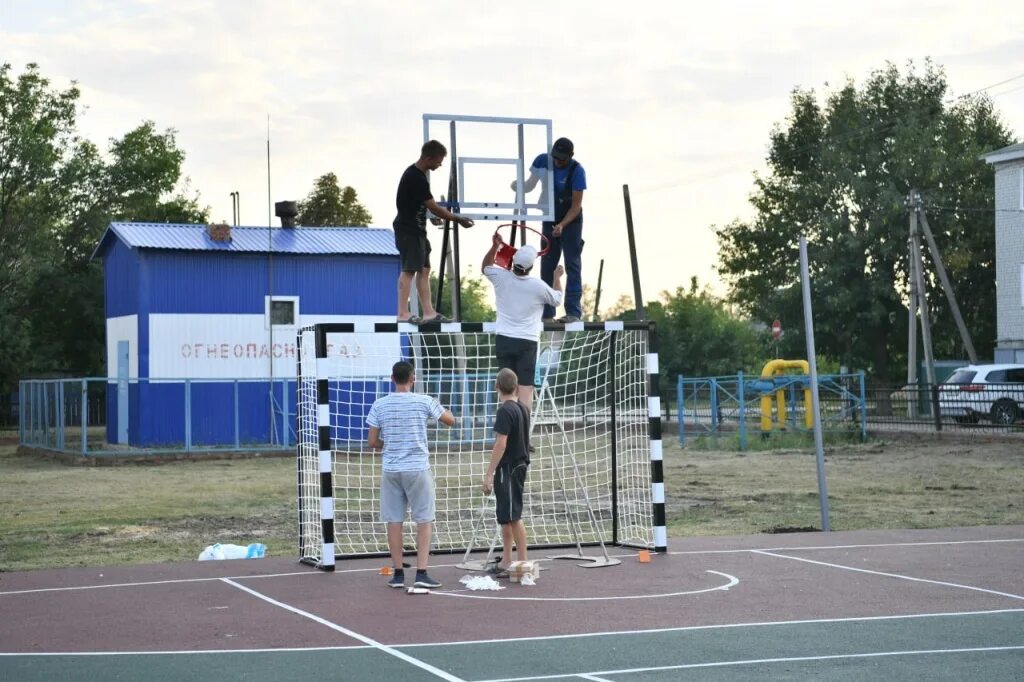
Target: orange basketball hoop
pixel 503 256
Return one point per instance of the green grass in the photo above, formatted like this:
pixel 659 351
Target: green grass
pixel 53 514
pixel 909 483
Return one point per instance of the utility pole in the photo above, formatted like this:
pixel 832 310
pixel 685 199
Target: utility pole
pixel 940 269
pixel 918 298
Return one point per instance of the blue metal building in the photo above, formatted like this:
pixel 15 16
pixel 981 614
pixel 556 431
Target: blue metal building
pixel 191 324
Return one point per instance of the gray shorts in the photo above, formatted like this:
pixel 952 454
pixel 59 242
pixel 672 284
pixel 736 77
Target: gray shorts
pixel 400 490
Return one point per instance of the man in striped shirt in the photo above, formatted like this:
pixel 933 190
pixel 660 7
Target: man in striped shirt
pixel 398 424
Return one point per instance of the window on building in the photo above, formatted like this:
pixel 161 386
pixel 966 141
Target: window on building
pixel 282 311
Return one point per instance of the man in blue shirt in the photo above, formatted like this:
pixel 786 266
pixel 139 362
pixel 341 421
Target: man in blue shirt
pixel 565 234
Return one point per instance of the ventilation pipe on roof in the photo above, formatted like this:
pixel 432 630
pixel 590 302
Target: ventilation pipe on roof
pixel 286 211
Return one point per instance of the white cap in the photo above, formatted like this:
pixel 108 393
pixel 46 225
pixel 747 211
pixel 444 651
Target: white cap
pixel 525 257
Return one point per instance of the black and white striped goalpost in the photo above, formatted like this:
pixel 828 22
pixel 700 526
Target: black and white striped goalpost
pixel 604 387
pixel 657 469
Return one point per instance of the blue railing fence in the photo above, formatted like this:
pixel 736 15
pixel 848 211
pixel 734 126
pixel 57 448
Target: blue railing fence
pixel 732 405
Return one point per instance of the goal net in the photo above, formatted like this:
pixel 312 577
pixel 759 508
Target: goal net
pixel 595 475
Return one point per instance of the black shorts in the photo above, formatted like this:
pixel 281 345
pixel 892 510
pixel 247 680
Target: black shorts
pixel 518 355
pixel 413 250
pixel 508 492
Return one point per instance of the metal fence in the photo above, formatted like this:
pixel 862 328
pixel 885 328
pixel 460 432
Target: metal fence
pixel 101 416
pixel 745 411
pixel 987 409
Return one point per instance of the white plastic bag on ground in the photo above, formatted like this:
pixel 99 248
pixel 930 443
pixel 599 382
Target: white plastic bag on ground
pixel 217 552
pixel 480 582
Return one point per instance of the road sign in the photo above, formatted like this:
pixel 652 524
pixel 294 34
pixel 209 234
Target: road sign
pixel 776 330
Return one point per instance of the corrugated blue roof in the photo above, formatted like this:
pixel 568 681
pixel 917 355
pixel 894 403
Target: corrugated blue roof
pixel 371 241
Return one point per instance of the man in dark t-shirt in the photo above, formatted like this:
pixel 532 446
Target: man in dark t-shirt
pixel 413 200
pixel 506 473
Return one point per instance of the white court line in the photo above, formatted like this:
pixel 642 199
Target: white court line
pixel 761 661
pixel 384 648
pixel 721 626
pixel 890 575
pixel 733 581
pixel 189 652
pixel 612 633
pixel 593 678
pixel 860 546
pixel 313 571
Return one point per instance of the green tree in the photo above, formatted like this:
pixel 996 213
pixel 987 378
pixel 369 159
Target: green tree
pixel 329 204
pixel 57 195
pixel 475 297
pixel 699 335
pixel 839 172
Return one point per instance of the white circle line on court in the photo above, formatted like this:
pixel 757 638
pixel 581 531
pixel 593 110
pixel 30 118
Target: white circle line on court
pixel 312 571
pixel 733 581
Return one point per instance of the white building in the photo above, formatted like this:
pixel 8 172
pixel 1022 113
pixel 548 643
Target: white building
pixel 1009 205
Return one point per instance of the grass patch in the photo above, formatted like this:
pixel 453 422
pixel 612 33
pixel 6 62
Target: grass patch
pixel 54 515
pixel 907 483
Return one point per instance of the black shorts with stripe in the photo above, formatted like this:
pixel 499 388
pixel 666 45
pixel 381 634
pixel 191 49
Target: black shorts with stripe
pixel 509 481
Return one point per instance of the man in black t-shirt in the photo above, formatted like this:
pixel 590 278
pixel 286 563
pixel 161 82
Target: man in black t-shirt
pixel 506 473
pixel 413 199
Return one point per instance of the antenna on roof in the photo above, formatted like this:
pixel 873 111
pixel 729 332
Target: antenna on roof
pixel 270 294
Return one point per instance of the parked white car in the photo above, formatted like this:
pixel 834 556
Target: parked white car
pixel 975 392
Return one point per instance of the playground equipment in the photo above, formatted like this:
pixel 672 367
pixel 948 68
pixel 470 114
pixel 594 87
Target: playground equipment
pixel 772 382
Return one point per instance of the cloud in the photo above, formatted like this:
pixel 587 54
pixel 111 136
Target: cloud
pixel 676 100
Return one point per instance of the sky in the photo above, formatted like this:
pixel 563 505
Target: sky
pixel 677 100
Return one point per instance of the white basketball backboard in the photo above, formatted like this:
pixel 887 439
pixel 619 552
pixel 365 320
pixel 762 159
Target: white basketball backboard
pixel 488 155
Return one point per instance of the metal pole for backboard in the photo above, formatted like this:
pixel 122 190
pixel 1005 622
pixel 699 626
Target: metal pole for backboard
pixel 819 446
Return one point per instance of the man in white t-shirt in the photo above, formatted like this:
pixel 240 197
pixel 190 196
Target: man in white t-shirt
pixel 520 300
pixel 398 424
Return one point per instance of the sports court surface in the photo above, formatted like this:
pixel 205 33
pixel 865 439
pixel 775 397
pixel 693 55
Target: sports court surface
pixel 923 604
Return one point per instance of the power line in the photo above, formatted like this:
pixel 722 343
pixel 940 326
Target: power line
pixel 972 209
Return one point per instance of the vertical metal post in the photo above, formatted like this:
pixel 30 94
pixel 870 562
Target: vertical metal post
pixel 46 413
pixel 812 361
pixel 237 434
pixel 597 294
pixel 60 416
pixel 637 296
pixel 456 274
pixel 21 411
pixel 613 433
pixel 680 411
pixel 743 410
pixel 936 414
pixel 188 415
pixel 85 416
pixel 657 451
pixel 284 413
pixel 863 408
pixel 714 407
